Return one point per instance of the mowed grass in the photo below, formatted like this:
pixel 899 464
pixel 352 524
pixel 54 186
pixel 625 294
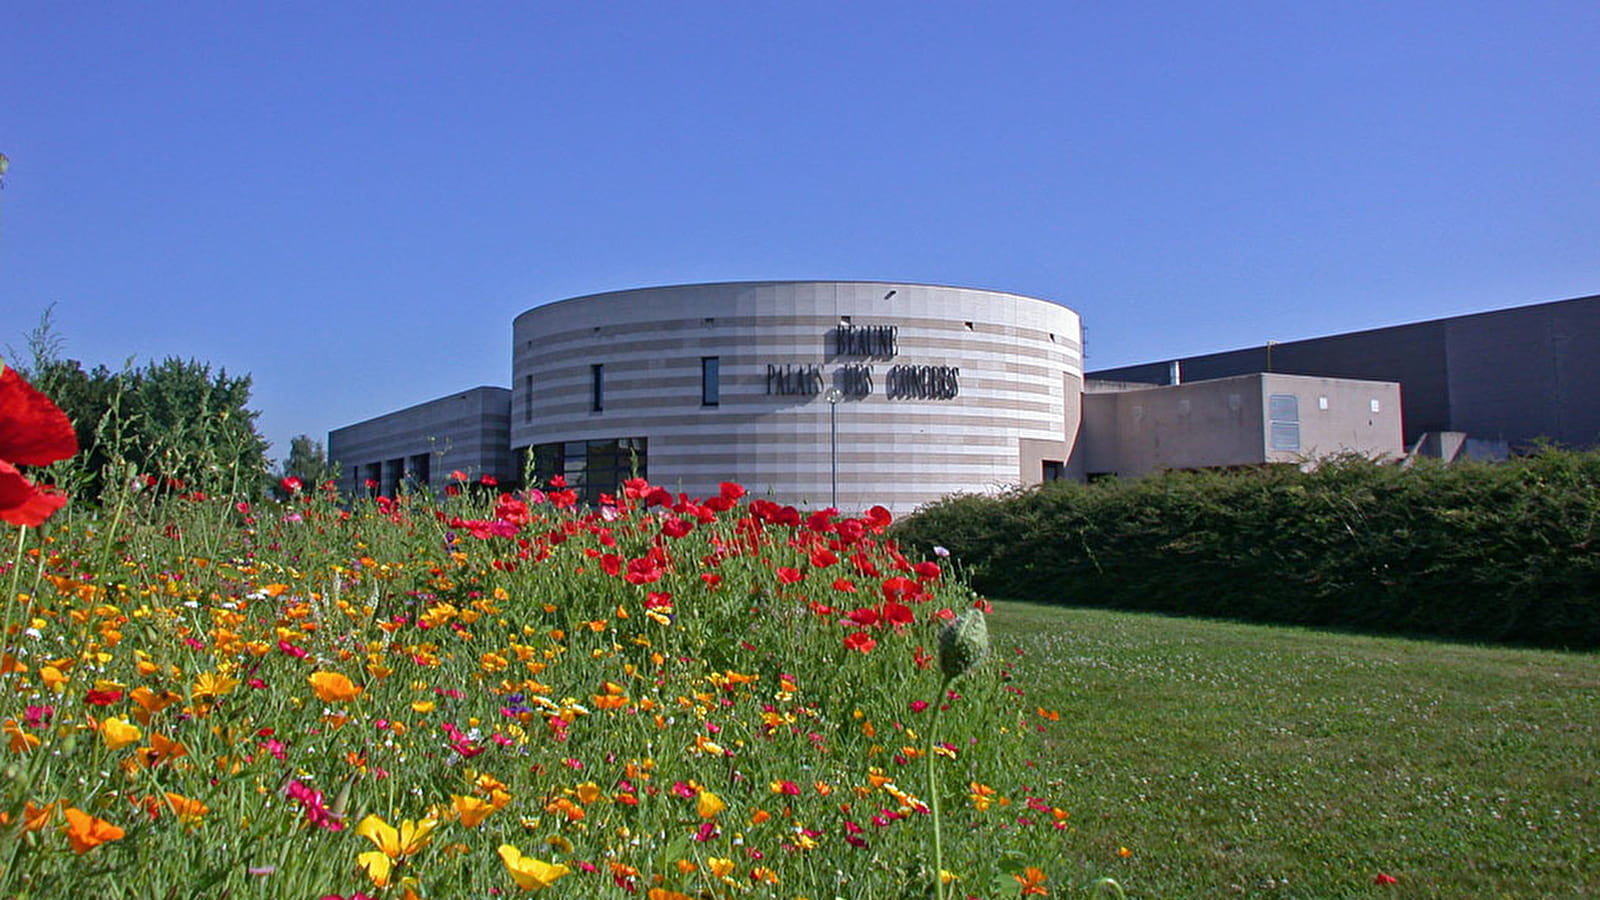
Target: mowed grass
pixel 1240 760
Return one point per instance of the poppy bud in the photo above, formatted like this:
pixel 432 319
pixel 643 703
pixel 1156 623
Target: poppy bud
pixel 963 643
pixel 342 801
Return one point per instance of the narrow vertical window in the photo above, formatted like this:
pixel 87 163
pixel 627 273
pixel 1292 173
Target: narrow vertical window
pixel 1283 422
pixel 597 385
pixel 527 398
pixel 710 380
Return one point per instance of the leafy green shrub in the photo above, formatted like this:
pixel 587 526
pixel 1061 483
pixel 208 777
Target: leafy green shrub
pixel 1494 552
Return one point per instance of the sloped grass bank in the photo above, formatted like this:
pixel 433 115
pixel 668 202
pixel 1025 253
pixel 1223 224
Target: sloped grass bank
pixel 1251 761
pixel 1503 552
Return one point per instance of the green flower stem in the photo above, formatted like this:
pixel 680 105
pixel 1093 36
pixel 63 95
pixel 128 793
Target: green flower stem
pixel 933 790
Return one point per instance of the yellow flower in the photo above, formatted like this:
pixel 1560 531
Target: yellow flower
pixel 472 810
pixel 118 733
pixel 708 805
pixel 396 843
pixel 530 874
pixel 212 685
pixel 721 867
pixel 53 678
pixel 393 844
pixel 333 687
pixel 588 793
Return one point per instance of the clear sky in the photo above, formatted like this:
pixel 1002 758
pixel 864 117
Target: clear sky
pixel 351 201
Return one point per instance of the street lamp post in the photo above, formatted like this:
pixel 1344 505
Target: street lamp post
pixel 834 395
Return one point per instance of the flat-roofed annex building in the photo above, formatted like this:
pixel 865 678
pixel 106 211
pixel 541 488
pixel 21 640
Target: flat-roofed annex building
pixel 1480 384
pixel 419 446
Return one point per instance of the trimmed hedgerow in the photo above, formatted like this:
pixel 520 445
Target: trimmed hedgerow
pixel 1502 552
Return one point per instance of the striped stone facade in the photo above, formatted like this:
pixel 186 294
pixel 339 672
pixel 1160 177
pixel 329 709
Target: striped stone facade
pixel 939 389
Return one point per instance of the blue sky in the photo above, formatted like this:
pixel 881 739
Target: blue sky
pixel 351 201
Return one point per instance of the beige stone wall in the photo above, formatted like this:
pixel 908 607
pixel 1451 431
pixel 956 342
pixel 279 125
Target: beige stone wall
pixel 1230 422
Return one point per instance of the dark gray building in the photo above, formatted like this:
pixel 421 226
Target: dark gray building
pixel 419 446
pixel 1508 377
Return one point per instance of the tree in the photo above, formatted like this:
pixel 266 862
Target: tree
pixel 173 423
pixel 196 428
pixel 308 462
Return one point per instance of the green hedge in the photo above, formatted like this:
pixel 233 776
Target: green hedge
pixel 1502 552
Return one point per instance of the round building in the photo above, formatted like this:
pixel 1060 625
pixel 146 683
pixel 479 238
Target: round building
pixel 815 393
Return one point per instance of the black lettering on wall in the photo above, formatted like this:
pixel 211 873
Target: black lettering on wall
pixel 794 379
pixel 855 380
pixel 923 383
pixel 876 341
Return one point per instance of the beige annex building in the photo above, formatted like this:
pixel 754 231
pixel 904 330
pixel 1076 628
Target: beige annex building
pixel 822 393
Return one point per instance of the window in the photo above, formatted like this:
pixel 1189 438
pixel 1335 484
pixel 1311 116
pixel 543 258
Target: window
pixel 710 380
pixel 527 398
pixel 597 387
pixel 1283 413
pixel 1054 470
pixel 592 468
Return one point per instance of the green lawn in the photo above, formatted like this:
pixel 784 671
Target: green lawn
pixel 1240 760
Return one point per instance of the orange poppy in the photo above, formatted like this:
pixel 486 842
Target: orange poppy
pixel 334 687
pixel 85 832
pixel 1032 880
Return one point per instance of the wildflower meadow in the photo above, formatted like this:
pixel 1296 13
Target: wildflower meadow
pixel 490 694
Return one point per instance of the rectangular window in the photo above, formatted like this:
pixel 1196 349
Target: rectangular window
pixel 597 387
pixel 592 468
pixel 1283 414
pixel 710 380
pixel 527 398
pixel 1054 470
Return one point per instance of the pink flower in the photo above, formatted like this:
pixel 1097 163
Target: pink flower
pixel 317 812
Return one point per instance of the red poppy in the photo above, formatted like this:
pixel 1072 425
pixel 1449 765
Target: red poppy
pixel 879 518
pixel 859 640
pixel 292 485
pixel 901 588
pixel 644 570
pixel 865 617
pixel 33 432
pixel 897 613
